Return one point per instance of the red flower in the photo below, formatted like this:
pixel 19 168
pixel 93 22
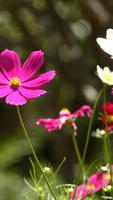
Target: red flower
pixel 107 115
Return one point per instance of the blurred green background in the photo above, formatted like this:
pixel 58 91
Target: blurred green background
pixel 66 31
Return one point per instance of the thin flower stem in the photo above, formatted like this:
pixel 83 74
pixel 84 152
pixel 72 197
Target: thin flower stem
pixel 106 153
pixel 34 154
pixel 90 126
pixel 60 165
pixel 107 139
pixel 75 144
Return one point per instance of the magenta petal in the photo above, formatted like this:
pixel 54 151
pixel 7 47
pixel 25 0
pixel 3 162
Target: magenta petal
pixel 3 80
pixel 51 124
pixel 5 90
pixel 10 63
pixel 32 65
pixel 99 180
pixel 31 94
pixel 40 80
pixel 15 98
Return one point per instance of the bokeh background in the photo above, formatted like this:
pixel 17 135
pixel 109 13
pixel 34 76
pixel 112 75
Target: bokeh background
pixel 66 31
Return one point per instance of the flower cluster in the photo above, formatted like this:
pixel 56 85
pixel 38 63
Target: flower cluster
pixel 65 116
pixel 95 183
pixel 17 83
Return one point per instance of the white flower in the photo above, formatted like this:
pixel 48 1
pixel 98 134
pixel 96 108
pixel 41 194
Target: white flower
pixel 99 133
pixel 107 43
pixel 105 75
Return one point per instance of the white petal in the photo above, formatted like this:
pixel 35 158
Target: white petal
pixel 105 75
pixel 106 45
pixel 100 73
pixel 109 35
pixel 106 70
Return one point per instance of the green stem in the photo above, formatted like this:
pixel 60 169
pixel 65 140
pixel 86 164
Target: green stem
pixel 106 153
pixel 90 126
pixel 34 154
pixel 106 138
pixel 75 144
pixel 60 165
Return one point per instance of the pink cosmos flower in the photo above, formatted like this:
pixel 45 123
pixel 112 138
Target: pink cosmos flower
pixel 95 183
pixel 99 180
pixel 52 124
pixel 82 191
pixel 17 83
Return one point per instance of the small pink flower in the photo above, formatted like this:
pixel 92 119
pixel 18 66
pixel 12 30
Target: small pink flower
pixel 95 183
pixel 17 83
pixel 99 180
pixel 82 191
pixel 52 124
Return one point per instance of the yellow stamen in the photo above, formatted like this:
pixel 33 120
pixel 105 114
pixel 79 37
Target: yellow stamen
pixel 107 177
pixel 91 187
pixel 15 82
pixel 108 77
pixel 109 118
pixel 65 110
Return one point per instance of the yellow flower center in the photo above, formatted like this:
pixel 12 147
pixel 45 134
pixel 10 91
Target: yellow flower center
pixel 91 187
pixel 15 82
pixel 107 177
pixel 108 77
pixel 65 110
pixel 109 118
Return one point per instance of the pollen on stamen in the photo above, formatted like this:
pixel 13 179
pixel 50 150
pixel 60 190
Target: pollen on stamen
pixel 109 118
pixel 64 110
pixel 15 82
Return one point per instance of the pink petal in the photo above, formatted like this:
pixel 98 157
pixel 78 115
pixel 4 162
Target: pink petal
pixel 99 180
pixel 3 80
pixel 40 80
pixel 51 124
pixel 82 110
pixel 10 63
pixel 15 98
pixel 5 90
pixel 82 191
pixel 32 64
pixel 31 93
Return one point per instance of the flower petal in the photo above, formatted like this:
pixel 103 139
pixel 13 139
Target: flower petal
pixel 3 80
pixel 106 45
pixel 10 63
pixel 32 64
pixel 31 94
pixel 109 35
pixel 51 124
pixel 85 109
pixel 100 73
pixel 99 180
pixel 15 98
pixel 5 90
pixel 40 80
